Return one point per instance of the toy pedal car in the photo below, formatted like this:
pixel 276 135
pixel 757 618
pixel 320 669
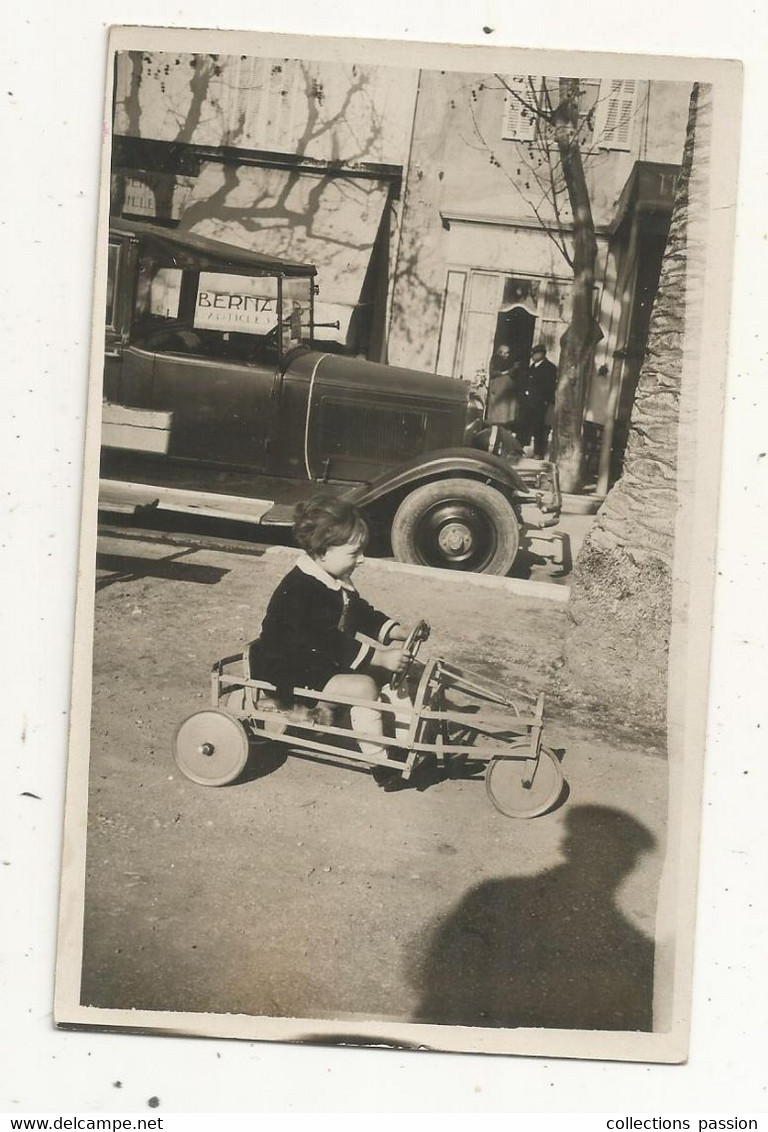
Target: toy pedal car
pixel 480 721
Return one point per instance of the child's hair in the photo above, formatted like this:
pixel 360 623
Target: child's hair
pixel 323 522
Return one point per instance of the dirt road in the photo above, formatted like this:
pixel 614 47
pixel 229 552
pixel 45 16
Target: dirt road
pixel 306 891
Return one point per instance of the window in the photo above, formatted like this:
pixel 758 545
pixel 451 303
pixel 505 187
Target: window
pixel 217 314
pixel 205 313
pixel 615 114
pixel 612 101
pixel 520 123
pixel 113 263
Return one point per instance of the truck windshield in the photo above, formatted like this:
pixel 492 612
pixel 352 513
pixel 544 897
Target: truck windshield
pixel 206 313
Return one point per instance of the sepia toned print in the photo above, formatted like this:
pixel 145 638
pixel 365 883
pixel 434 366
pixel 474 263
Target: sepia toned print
pixel 480 307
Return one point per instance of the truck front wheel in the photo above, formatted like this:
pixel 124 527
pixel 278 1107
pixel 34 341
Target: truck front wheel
pixel 457 524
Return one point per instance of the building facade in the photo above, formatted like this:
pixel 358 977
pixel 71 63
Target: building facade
pixel 430 202
pixel 301 160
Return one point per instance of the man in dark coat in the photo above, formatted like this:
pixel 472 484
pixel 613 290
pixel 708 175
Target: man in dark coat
pixel 537 396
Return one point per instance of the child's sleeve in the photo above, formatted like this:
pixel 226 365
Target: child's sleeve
pixel 372 623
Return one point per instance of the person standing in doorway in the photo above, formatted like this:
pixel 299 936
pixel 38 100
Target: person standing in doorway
pixel 537 398
pixel 502 388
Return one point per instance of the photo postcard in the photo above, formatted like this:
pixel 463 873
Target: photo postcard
pixel 398 532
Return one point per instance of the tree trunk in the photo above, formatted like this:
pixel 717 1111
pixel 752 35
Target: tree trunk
pixel 583 333
pixel 620 606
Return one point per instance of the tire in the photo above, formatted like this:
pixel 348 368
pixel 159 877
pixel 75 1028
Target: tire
pixel 210 747
pixel 505 785
pixel 457 524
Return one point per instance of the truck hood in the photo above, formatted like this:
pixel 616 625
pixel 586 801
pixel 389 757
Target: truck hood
pixel 397 381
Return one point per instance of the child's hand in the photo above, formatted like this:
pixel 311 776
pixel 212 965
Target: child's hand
pixel 389 658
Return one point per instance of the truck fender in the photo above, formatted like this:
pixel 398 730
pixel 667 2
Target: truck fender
pixel 442 464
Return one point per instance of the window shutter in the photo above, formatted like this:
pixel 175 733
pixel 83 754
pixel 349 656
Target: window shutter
pixel 480 325
pixel 449 331
pixel 519 124
pixel 615 113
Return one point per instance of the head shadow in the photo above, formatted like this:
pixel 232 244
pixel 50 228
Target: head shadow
pixel 551 949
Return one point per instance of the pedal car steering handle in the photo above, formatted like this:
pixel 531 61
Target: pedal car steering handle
pixel 411 646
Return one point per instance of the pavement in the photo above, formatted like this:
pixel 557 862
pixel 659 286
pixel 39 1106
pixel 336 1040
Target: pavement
pixel 538 565
pixel 303 890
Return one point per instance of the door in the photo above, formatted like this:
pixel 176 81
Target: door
pixel 515 330
pixel 119 371
pixel 221 412
pixel 213 337
pixel 485 292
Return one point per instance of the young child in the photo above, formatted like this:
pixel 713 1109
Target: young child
pixel 311 634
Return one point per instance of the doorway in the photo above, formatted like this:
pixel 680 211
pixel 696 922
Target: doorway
pixel 515 329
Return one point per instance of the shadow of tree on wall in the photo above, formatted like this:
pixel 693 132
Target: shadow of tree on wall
pixel 551 950
pixel 276 200
pixel 317 214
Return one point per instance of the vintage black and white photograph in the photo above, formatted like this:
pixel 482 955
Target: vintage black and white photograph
pixel 397 546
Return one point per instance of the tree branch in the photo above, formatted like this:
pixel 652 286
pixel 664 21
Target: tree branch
pixel 556 207
pixel 534 107
pixel 558 237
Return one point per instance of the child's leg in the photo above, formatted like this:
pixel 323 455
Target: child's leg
pixel 364 719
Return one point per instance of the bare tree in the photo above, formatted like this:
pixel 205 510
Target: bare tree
pixel 552 180
pixel 583 333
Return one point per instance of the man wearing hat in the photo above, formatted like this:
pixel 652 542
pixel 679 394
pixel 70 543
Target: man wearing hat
pixel 537 396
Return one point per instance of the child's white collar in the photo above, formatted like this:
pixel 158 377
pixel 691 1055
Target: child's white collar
pixel 313 568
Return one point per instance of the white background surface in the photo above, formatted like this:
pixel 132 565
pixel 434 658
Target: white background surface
pixel 51 106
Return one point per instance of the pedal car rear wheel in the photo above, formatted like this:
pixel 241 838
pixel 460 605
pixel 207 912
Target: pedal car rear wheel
pixel 519 793
pixel 210 747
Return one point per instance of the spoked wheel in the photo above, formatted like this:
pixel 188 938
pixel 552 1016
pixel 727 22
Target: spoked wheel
pixel 520 792
pixel 210 747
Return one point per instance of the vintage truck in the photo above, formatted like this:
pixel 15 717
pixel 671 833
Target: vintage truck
pixel 221 398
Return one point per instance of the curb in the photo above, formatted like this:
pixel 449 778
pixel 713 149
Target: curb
pixel 519 586
pixel 547 591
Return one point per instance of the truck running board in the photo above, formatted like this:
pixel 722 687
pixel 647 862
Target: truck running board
pixel 117 495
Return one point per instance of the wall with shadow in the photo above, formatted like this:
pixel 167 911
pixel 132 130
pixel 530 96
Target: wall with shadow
pixel 549 950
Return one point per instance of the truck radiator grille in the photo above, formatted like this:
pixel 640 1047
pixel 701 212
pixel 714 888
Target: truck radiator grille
pixel 369 431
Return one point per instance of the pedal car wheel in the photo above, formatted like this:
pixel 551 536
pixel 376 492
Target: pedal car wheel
pixel 234 703
pixel 210 747
pixel 517 793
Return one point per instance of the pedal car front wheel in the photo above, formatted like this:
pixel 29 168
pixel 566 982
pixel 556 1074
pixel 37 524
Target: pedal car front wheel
pixel 210 747
pixel 518 791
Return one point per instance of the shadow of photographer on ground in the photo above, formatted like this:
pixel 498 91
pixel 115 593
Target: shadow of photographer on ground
pixel 550 950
